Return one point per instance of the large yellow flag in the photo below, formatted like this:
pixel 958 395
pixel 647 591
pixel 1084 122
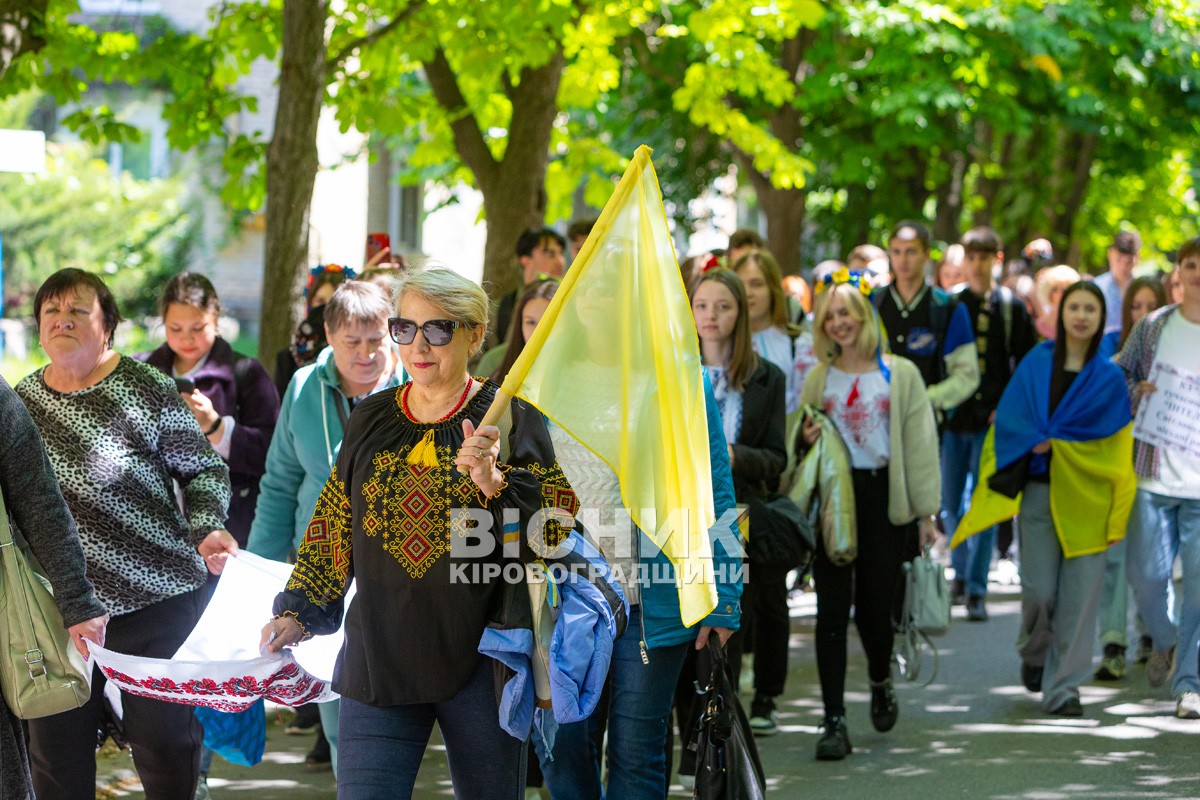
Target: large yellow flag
pixel 615 363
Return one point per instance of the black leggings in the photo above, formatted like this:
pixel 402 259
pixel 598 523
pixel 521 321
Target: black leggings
pixel 869 582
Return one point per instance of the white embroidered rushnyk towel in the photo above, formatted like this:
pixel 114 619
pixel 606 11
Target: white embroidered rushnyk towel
pixel 219 664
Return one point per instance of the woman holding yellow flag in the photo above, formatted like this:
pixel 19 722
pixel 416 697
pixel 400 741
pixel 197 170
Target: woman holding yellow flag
pixel 1063 454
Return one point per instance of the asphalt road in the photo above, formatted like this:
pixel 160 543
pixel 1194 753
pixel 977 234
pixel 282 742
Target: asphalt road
pixel 974 732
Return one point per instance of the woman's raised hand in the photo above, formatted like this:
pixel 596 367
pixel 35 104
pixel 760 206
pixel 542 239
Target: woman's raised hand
pixel 479 457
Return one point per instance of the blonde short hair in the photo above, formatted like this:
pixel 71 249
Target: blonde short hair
pixel 1051 280
pixel 463 300
pixel 861 311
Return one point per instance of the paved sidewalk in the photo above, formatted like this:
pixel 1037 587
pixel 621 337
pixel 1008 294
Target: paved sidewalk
pixel 973 733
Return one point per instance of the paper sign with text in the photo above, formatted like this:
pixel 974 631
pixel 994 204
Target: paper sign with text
pixel 1170 416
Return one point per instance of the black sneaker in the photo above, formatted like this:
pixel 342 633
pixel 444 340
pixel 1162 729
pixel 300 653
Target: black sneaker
pixel 1071 707
pixel 319 758
pixel 977 608
pixel 1144 649
pixel 958 592
pixel 308 717
pixel 884 709
pixel 764 720
pixel 1031 676
pixel 834 744
pixel 1112 665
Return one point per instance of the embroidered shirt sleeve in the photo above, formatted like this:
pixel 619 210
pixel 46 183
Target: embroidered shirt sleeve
pixel 322 570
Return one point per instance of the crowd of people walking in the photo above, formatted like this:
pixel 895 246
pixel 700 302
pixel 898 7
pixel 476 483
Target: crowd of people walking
pixel 946 390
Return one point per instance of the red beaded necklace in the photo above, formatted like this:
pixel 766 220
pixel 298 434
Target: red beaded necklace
pixel 408 412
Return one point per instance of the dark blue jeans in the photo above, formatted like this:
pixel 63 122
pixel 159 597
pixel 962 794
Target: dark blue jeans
pixel 382 746
pixel 960 470
pixel 638 712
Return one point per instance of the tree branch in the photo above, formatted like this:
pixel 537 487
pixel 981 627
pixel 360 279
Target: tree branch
pixel 468 138
pixel 335 62
pixel 21 29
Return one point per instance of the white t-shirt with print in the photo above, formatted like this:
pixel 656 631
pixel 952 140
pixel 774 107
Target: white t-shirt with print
pixel 1178 473
pixel 859 404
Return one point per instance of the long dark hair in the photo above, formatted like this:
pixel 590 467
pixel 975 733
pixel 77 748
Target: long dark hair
pixel 1058 385
pixel 1131 291
pixel 742 359
pixel 538 290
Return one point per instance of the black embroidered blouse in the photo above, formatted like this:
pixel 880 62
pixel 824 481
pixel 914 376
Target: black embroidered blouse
pixel 426 579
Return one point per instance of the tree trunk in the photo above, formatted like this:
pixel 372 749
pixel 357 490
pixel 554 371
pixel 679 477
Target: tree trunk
pixel 985 186
pixel 21 24
pixel 1084 148
pixel 950 200
pixel 292 168
pixel 855 219
pixel 513 188
pixel 785 210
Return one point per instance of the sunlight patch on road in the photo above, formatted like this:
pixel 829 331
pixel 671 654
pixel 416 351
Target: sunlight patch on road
pixel 251 785
pixel 1059 727
pixel 1167 724
pixel 1144 708
pixel 277 757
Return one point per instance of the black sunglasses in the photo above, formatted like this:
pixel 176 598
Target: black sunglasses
pixel 437 332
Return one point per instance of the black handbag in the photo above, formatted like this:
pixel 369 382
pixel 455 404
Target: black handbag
pixel 727 763
pixel 781 535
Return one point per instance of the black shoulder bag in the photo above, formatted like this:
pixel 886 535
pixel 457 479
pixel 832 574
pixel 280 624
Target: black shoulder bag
pixel 727 763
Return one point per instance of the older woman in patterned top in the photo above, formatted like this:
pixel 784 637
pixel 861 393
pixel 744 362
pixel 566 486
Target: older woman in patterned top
pixel 119 437
pixel 411 458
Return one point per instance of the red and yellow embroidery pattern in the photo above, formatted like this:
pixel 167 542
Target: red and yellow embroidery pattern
pixel 408 507
pixel 323 562
pixel 556 493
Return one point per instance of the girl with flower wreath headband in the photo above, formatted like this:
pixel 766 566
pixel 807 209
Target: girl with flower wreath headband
pixel 877 403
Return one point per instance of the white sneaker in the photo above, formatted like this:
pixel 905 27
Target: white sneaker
pixel 688 782
pixel 1187 705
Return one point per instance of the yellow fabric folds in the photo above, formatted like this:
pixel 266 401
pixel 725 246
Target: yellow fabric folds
pixel 988 508
pixel 1092 487
pixel 615 362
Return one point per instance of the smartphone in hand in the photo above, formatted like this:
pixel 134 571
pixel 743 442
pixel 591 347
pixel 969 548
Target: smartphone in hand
pixel 377 242
pixel 185 385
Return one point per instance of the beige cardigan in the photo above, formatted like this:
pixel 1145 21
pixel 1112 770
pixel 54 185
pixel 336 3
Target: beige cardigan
pixel 914 474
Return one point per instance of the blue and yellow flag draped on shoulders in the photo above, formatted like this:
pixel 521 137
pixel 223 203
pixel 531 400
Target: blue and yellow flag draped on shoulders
pixel 615 363
pixel 1092 483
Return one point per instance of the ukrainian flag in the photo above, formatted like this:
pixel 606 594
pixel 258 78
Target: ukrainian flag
pixel 1092 483
pixel 615 363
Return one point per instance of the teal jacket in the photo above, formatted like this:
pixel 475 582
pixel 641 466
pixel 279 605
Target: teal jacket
pixel 308 435
pixel 661 624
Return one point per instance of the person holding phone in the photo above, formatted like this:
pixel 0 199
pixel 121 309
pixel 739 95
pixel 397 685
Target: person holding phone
pixel 231 395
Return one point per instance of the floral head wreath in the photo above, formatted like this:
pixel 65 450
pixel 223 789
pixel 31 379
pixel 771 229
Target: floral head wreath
pixel 710 263
pixel 321 269
pixel 858 280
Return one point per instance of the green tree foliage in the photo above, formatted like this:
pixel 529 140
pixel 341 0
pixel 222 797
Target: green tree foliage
pixel 78 214
pixel 1039 118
